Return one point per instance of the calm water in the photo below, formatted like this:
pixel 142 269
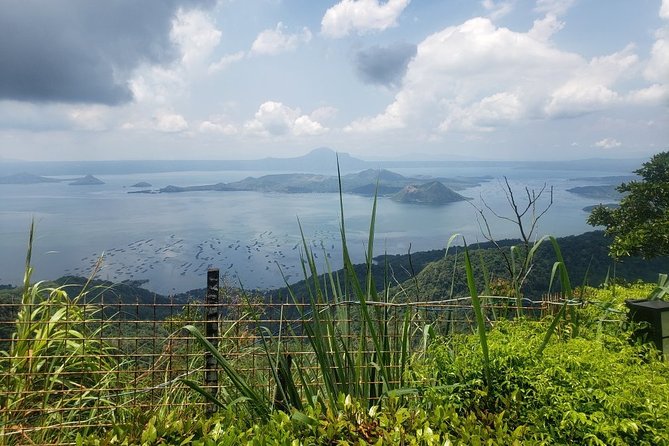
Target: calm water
pixel 171 239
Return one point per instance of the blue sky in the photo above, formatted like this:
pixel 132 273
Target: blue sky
pixel 242 79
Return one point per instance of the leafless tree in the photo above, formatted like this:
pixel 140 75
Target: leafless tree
pixel 525 214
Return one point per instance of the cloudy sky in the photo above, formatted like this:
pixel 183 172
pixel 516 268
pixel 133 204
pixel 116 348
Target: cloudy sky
pixel 242 79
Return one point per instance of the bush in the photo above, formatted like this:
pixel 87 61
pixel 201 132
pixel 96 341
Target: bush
pixel 597 389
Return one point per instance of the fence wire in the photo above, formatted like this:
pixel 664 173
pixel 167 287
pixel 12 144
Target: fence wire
pixel 85 365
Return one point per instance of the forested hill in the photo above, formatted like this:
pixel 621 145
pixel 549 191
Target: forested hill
pixel 432 272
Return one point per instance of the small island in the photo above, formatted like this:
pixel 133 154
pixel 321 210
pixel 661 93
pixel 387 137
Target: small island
pixel 88 180
pixel 26 178
pixel 433 193
pixel 605 192
pixel 606 205
pixel 142 184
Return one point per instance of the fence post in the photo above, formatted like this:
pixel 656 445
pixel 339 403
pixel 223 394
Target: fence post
pixel 211 333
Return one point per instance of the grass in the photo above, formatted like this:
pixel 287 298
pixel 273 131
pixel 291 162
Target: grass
pixel 56 370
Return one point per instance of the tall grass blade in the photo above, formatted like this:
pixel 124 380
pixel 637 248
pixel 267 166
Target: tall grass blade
pixel 480 322
pixel 560 267
pixel 258 404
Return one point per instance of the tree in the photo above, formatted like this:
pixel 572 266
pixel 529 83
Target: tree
pixel 526 213
pixel 640 226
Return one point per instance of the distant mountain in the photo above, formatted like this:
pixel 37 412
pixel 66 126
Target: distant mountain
pixel 141 184
pixel 322 159
pixel 26 178
pixel 605 192
pixel 433 193
pixel 88 180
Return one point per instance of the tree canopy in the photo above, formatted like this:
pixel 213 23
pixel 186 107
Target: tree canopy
pixel 640 226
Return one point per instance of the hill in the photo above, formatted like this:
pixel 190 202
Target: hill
pixel 88 180
pixel 605 192
pixel 428 275
pixel 434 193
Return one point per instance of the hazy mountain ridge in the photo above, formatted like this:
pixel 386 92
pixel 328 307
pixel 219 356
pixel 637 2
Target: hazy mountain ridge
pixel 318 160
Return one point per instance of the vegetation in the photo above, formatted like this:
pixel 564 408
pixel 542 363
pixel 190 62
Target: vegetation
pixel 640 226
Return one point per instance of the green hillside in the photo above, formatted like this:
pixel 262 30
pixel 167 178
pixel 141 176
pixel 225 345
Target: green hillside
pixel 432 271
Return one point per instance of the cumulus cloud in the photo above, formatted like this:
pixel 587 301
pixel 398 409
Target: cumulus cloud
pixel 196 36
pixel 608 143
pixel 384 65
pixel 275 41
pixel 361 16
pixel 658 66
pixel 477 76
pixel 664 9
pixel 276 119
pixel 67 52
pixel 590 87
pixel 218 124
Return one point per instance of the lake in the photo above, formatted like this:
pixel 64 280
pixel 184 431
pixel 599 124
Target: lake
pixel 171 239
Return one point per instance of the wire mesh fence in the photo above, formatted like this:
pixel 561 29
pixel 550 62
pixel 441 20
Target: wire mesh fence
pixel 95 361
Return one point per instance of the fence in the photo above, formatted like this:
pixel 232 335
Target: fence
pixel 97 360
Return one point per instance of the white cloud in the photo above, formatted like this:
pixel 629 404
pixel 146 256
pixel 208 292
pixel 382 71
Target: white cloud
pixel 608 143
pixel 304 125
pixel 196 35
pixel 165 121
pixel 657 69
pixel 590 87
pixel 484 115
pixel 157 85
pixel 653 95
pixel 225 61
pixel 275 41
pixel 276 119
pixel 664 9
pixel 324 113
pixel 476 77
pixel 544 29
pixel 497 10
pixel 218 124
pixel 555 7
pixel 361 16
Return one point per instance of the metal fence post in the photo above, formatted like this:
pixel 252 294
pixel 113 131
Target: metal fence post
pixel 211 333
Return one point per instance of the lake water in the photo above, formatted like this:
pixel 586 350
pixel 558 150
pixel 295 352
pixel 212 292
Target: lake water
pixel 254 238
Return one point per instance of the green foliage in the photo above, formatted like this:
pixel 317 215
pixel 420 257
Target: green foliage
pixel 597 389
pixel 57 368
pixel 585 257
pixel 640 226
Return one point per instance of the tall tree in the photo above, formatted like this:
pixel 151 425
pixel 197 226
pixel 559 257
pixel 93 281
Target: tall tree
pixel 640 226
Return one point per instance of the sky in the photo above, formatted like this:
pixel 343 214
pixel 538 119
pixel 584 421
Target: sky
pixel 393 79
